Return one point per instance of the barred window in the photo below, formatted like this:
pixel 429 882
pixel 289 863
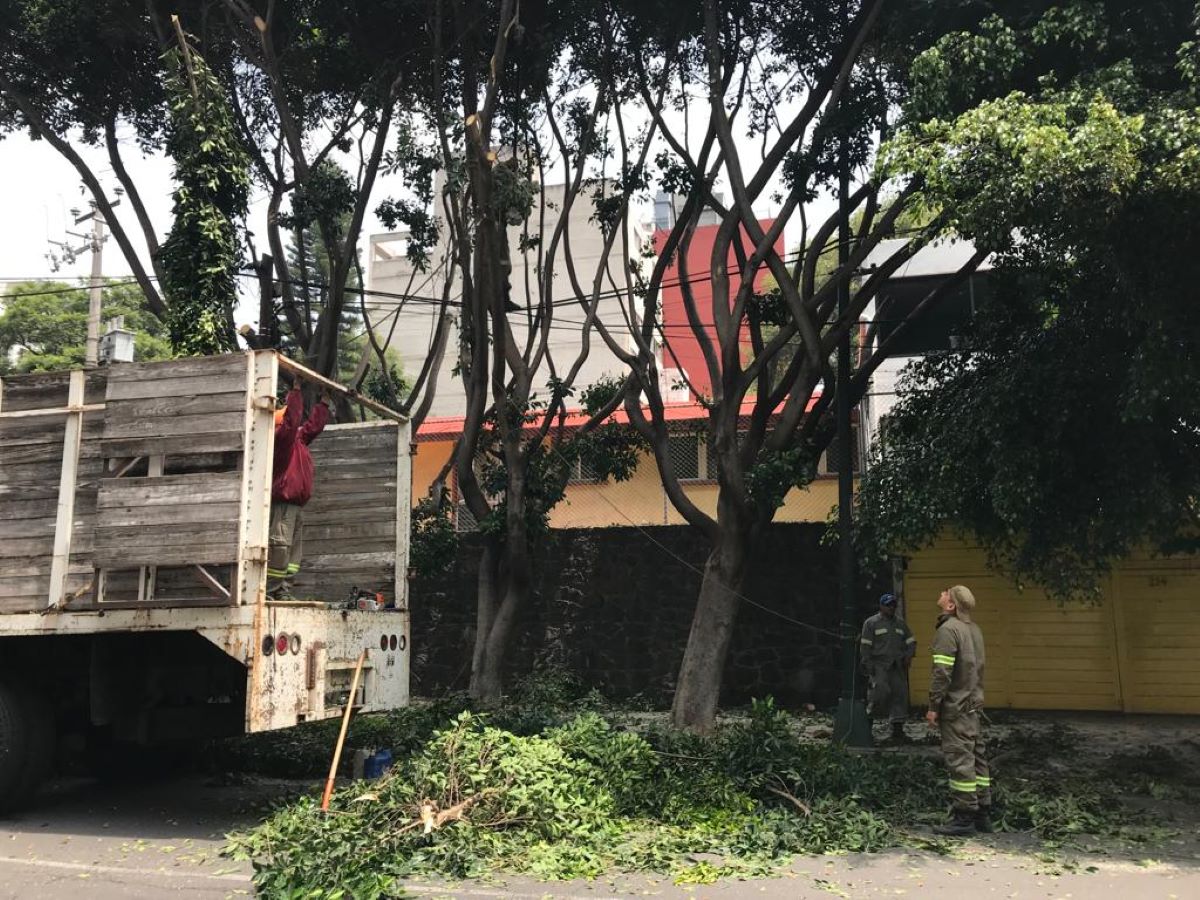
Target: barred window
pixel 685 456
pixel 582 472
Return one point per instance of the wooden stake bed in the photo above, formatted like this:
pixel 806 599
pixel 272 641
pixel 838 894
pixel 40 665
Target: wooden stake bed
pixel 148 485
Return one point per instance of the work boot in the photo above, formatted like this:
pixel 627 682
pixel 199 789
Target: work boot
pixel 282 594
pixel 983 820
pixel 898 735
pixel 961 823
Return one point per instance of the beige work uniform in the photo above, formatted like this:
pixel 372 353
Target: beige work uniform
pixel 886 644
pixel 956 695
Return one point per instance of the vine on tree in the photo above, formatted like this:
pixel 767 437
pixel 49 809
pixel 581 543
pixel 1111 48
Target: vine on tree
pixel 200 257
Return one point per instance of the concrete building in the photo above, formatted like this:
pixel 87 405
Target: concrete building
pixel 410 330
pixel 941 329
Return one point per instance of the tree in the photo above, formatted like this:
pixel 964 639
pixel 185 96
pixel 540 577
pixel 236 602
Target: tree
pixel 506 72
pixel 313 88
pixel 201 256
pixel 780 98
pixel 1066 436
pixel 77 72
pixel 43 324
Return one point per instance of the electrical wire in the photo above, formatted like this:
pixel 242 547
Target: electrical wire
pixel 65 290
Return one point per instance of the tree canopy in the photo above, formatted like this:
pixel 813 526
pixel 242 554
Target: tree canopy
pixel 43 324
pixel 1068 433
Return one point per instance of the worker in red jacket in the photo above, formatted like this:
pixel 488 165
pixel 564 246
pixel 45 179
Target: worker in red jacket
pixel 291 488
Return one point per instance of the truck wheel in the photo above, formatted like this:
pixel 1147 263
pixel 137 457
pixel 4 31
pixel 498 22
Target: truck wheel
pixel 15 739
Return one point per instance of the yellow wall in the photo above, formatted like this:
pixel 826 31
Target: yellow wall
pixel 638 501
pixel 1135 650
pixel 428 462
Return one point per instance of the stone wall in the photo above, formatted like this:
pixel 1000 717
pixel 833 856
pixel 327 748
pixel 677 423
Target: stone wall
pixel 614 606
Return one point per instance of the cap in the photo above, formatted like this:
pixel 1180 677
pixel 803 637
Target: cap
pixel 887 600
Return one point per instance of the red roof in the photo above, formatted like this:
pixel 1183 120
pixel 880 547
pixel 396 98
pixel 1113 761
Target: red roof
pixel 448 427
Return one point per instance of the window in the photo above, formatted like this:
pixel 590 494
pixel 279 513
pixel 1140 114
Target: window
pixel 582 472
pixel 685 456
pixel 693 457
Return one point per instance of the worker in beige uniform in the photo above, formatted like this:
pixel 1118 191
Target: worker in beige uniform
pixel 955 707
pixel 886 650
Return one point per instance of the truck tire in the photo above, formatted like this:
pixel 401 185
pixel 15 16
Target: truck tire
pixel 15 740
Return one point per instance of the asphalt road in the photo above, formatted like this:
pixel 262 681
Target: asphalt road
pixel 162 838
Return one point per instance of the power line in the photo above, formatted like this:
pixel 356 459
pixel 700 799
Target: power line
pixel 65 290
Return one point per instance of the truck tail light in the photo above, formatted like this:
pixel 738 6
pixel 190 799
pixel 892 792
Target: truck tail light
pixel 281 643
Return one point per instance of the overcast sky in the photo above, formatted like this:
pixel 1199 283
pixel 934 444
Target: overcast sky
pixel 39 188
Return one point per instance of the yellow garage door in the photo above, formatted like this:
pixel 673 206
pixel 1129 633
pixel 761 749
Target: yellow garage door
pixel 1159 635
pixel 1041 655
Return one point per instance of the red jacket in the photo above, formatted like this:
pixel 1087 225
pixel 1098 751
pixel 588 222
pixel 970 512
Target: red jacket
pixel 293 465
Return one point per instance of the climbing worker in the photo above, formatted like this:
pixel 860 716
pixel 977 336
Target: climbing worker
pixel 955 707
pixel 291 488
pixel 886 650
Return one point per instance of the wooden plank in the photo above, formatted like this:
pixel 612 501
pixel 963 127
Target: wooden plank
pixel 352 515
pixel 48 436
pixel 180 386
pixel 158 407
pixel 171 426
pixel 209 581
pixel 220 442
pixel 152 554
pixel 315 529
pixel 27 490
pixel 331 500
pixel 13 548
pixel 342 562
pixel 64 525
pixel 26 586
pixel 32 528
pixel 174 514
pixel 366 473
pixel 111 540
pixel 16 510
pixel 340 440
pixel 46 390
pixel 249 583
pixel 403 523
pixel 196 367
pixel 214 487
pixel 26 566
pixel 309 375
pixel 47 472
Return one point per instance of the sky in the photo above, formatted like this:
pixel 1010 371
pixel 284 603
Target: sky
pixel 39 189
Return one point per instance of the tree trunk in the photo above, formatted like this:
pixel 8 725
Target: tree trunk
pixel 499 601
pixel 699 687
pixel 486 604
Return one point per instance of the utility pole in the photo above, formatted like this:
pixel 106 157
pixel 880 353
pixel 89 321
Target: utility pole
pixel 95 244
pixel 92 358
pixel 851 725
